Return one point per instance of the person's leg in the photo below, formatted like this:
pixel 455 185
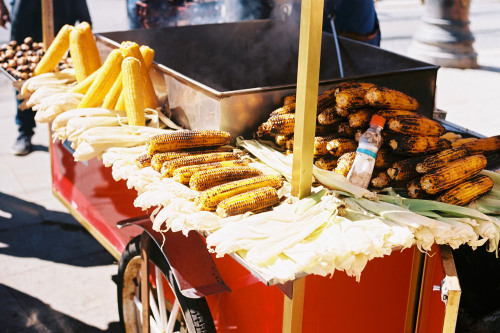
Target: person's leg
pixel 133 21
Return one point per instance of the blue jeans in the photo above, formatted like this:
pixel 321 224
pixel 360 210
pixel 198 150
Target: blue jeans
pixel 133 21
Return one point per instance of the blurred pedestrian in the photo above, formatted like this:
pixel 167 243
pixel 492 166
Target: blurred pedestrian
pixel 26 21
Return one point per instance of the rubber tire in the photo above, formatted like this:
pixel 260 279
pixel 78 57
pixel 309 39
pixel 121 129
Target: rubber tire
pixel 196 311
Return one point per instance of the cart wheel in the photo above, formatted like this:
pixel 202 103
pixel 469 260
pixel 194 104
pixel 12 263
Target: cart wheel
pixel 170 310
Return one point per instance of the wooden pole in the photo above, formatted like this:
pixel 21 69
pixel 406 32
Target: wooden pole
pixel 47 22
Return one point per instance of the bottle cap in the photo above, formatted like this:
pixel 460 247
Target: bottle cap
pixel 378 120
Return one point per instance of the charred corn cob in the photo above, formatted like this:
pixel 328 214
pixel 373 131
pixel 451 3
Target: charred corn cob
pixel 350 99
pixel 382 97
pixel 282 124
pixel 144 160
pixel 206 179
pixel 183 174
pixel 158 159
pixel 286 109
pixel 325 100
pixel 452 174
pixel 329 116
pixel 388 114
pixel 179 140
pixel 346 131
pixel 320 143
pixel 340 146
pixel 469 190
pixel 55 52
pixel 169 167
pixel 326 162
pixel 461 142
pixel 325 130
pixel 344 163
pixel 133 90
pixel 352 85
pixel 289 100
pixel 415 125
pixel 414 189
pixel 405 169
pixel 483 146
pixel 381 179
pixel 417 145
pixel 360 118
pixel 450 136
pixel 385 159
pixel 84 53
pixel 254 201
pixel 209 199
pixel 440 159
pixel 104 80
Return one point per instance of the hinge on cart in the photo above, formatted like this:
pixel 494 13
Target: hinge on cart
pixel 444 290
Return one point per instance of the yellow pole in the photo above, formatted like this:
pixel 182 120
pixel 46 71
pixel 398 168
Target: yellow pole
pixel 47 22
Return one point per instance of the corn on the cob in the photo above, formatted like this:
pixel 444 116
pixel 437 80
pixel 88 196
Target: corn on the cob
pixel 381 179
pixel 385 158
pixel 254 201
pixel 325 100
pixel 148 54
pixel 160 158
pixel 414 189
pixel 461 142
pixel 133 90
pixel 83 86
pixel 325 130
pixel 350 99
pixel 206 179
pixel 209 199
pixel 382 97
pixel 133 50
pixel 286 109
pixel 440 159
pixel 144 160
pixel 344 130
pixel 352 85
pixel 169 167
pixel 282 124
pixel 183 174
pixel 483 146
pixel 388 114
pixel 326 162
pixel 179 140
pixel 415 125
pixel 114 93
pixel 405 169
pixel 451 136
pixel 344 163
pixel 417 145
pixel 55 52
pixel 320 143
pixel 360 118
pixel 469 190
pixel 120 103
pixel 452 174
pixel 340 146
pixel 104 81
pixel 282 139
pixel 84 53
pixel 289 100
pixel 329 116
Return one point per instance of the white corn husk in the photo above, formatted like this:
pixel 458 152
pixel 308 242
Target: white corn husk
pixel 41 93
pixel 53 105
pixel 60 122
pixel 76 126
pixel 61 78
pixel 115 154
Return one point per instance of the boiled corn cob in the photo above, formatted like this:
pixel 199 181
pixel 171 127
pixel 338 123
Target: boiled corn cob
pixel 329 116
pixel 415 125
pixel 344 163
pixel 382 97
pixel 460 142
pixel 83 86
pixel 55 52
pixel 169 167
pixel 469 190
pixel 183 174
pixel 440 159
pixel 414 189
pixel 452 174
pixel 84 53
pixel 133 90
pixel 206 179
pixel 340 146
pixel 417 145
pixel 381 179
pixel 254 201
pixel 209 199
pixel 104 81
pixel 320 143
pixel 405 169
pixel 282 124
pixel 326 162
pixel 179 140
pixel 352 85
pixel 484 145
pixel 144 160
pixel 360 118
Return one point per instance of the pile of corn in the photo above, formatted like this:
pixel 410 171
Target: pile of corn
pixel 203 161
pixel 344 113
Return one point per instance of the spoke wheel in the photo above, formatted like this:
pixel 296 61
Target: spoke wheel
pixel 170 311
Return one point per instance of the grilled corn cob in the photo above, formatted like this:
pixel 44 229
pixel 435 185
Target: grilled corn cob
pixel 282 139
pixel 388 114
pixel 179 140
pixel 417 145
pixel 440 159
pixel 450 136
pixel 209 199
pixel 414 189
pixel 320 143
pixel 254 201
pixel 160 158
pixel 381 179
pixel 55 52
pixel 169 167
pixel 452 174
pixel 326 162
pixel 289 100
pixel 415 125
pixel 325 100
pixel 382 97
pixel 329 116
pixel 469 190
pixel 405 169
pixel 104 80
pixel 344 130
pixel 350 99
pixel 205 179
pixel 340 146
pixel 183 174
pixel 483 146
pixel 352 85
pixel 133 91
pixel 144 160
pixel 461 142
pixel 84 53
pixel 344 163
pixel 282 124
pixel 286 109
pixel 360 118
pixel 385 159
pixel 325 130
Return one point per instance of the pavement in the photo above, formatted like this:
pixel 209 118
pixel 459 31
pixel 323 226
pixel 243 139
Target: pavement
pixel 55 277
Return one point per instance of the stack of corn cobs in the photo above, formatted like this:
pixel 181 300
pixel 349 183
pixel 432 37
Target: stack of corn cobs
pixel 417 153
pixel 203 161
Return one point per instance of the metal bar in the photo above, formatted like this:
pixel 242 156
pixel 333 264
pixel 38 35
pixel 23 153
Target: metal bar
pixel 414 290
pixel 293 308
pixel 337 47
pixel 47 22
pixel 454 290
pixel 145 282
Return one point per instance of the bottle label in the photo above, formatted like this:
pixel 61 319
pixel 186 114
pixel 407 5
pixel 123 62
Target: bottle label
pixel 367 152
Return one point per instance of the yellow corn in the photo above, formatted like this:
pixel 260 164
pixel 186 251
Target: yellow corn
pixel 209 199
pixel 440 159
pixel 381 180
pixel 415 125
pixel 178 140
pixel 160 158
pixel 320 144
pixel 460 142
pixel 352 85
pixel 286 109
pixel 206 179
pixel 282 124
pixel 325 100
pixel 484 145
pixel 382 97
pixel 84 53
pixel 148 54
pixel 183 174
pixel 83 86
pixel 114 93
pixel 289 100
pixel 144 160
pixel 133 91
pixel 55 52
pixel 340 146
pixel 452 174
pixel 281 140
pixel 169 167
pixel 329 116
pixel 415 145
pixel 405 169
pixel 326 162
pixel 254 201
pixel 351 98
pixel 344 163
pixel 388 114
pixel 451 136
pixel 104 81
pixel 120 103
pixel 469 190
pixel 360 118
